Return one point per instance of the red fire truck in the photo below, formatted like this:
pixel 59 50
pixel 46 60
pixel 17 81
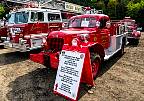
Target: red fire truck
pixel 133 35
pixel 92 32
pixel 28 27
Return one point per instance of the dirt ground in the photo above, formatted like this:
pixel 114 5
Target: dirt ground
pixel 121 78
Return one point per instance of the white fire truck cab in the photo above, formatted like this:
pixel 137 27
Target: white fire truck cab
pixel 28 27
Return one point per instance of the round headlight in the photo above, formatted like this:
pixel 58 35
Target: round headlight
pixel 75 42
pixel 84 37
pixel 44 40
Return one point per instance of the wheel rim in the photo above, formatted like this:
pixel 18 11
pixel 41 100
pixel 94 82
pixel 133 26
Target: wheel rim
pixel 95 67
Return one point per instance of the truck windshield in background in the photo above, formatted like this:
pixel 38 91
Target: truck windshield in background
pixel 54 17
pixel 82 22
pixel 37 16
pixel 18 18
pixel 130 22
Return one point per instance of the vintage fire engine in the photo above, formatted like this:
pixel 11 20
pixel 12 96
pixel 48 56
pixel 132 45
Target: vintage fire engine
pixel 94 33
pixel 133 35
pixel 28 27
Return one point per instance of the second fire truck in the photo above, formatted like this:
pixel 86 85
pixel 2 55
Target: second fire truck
pixel 28 28
pixel 131 29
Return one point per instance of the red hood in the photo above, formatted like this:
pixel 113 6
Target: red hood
pixel 70 31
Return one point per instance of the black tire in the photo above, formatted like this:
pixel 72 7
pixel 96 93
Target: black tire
pixel 95 64
pixel 121 52
pixel 1 46
pixel 133 41
pixel 47 61
pixel 136 41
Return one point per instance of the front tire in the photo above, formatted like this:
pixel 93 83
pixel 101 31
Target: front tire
pixel 122 50
pixel 95 64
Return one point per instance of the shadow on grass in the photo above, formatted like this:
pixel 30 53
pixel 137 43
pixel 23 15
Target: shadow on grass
pixel 34 86
pixel 13 57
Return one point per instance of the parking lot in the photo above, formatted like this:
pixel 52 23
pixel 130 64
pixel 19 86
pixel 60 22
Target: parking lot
pixel 121 78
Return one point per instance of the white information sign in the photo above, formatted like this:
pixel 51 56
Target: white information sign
pixel 69 73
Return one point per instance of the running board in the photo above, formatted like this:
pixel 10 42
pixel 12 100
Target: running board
pixel 1 44
pixel 109 56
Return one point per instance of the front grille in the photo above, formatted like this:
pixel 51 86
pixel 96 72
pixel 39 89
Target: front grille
pixel 55 44
pixel 130 30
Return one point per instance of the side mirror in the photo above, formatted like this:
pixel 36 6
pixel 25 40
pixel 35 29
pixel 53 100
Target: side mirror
pixel 108 24
pixel 8 16
pixel 1 24
pixel 65 25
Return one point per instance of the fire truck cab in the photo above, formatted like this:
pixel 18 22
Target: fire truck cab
pixel 28 27
pixel 95 32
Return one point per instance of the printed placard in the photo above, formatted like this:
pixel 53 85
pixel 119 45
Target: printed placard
pixel 69 73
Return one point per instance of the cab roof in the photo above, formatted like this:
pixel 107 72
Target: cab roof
pixel 98 16
pixel 37 9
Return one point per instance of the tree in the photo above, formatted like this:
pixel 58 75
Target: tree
pixel 121 9
pixel 2 11
pixel 111 8
pixel 135 8
pixel 100 5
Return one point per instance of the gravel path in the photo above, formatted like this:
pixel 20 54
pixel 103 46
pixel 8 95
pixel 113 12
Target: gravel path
pixel 121 78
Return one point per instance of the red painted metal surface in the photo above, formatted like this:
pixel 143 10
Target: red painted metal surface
pixel 3 32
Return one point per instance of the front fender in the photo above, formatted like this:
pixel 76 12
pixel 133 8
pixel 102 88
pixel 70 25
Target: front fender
pixel 136 33
pixel 95 47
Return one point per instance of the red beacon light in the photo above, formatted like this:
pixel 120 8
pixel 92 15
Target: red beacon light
pixel 31 5
pixel 88 10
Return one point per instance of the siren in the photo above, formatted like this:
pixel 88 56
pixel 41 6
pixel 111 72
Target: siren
pixel 31 5
pixel 87 10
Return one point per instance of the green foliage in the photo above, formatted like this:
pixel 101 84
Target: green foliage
pixel 116 9
pixel 2 11
pixel 93 0
pixel 111 8
pixel 135 8
pixel 121 9
pixel 100 5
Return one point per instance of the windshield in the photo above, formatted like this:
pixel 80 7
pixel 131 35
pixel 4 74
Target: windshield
pixel 130 22
pixel 18 18
pixel 83 22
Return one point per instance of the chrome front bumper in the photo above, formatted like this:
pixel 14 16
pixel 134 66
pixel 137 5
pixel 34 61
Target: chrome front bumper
pixel 20 47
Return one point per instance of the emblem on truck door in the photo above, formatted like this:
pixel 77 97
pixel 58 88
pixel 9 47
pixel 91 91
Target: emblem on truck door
pixel 95 39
